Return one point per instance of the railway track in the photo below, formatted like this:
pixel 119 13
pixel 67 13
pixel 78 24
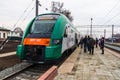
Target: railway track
pixel 27 71
pixel 31 73
pixel 24 71
pixel 113 47
pixel 13 70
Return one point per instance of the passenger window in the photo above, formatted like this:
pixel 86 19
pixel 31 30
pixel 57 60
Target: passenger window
pixel 65 33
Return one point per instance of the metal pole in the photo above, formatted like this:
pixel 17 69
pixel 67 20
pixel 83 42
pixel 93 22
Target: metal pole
pixel 112 32
pixel 36 12
pixel 91 28
pixel 104 33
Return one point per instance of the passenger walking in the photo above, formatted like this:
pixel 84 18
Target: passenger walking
pixel 85 43
pixel 81 42
pixel 102 45
pixel 96 42
pixel 91 45
pixel 99 42
pixel 88 45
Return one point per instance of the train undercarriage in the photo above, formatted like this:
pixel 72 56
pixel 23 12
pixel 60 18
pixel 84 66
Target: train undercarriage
pixel 35 53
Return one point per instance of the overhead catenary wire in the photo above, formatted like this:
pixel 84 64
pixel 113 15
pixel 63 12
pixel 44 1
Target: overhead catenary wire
pixel 111 10
pixel 6 40
pixel 43 6
pixel 118 14
pixel 96 26
pixel 104 26
pixel 27 15
pixel 22 14
pixel 31 11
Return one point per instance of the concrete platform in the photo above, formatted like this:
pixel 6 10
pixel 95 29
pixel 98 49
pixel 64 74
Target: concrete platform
pixel 92 67
pixel 68 65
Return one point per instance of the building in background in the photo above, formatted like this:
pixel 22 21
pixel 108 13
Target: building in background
pixel 4 33
pixel 16 34
pixel 12 35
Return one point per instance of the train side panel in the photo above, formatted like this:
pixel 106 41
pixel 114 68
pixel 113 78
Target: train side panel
pixel 70 39
pixel 56 40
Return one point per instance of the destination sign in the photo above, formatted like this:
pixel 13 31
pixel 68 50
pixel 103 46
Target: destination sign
pixel 47 17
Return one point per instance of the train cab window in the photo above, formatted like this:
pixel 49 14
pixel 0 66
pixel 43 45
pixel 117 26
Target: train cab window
pixel 43 26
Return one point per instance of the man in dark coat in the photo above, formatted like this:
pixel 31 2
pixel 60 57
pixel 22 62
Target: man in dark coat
pixel 91 45
pixel 85 43
pixel 102 45
pixel 96 42
pixel 81 42
pixel 88 45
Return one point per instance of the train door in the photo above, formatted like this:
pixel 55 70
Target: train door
pixel 65 40
pixel 71 38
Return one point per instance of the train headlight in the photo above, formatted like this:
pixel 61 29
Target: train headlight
pixel 56 41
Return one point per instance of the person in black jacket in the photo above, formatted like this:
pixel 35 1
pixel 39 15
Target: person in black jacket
pixel 81 42
pixel 85 43
pixel 102 45
pixel 91 45
pixel 88 43
pixel 96 42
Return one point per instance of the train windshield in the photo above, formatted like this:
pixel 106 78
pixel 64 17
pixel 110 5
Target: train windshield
pixel 43 26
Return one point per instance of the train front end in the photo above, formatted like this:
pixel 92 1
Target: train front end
pixel 38 45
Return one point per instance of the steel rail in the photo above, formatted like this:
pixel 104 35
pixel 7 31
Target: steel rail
pixel 116 48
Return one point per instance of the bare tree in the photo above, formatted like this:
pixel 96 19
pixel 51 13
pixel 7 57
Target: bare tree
pixel 58 7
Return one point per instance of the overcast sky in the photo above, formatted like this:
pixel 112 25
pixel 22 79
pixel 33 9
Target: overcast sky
pixel 103 12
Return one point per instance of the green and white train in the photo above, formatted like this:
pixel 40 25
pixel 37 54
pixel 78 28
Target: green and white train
pixel 47 37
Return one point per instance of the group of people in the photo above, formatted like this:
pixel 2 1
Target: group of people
pixel 88 44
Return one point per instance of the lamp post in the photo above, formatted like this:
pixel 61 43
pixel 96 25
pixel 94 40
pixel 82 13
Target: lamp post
pixel 112 32
pixel 104 33
pixel 36 12
pixel 91 28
